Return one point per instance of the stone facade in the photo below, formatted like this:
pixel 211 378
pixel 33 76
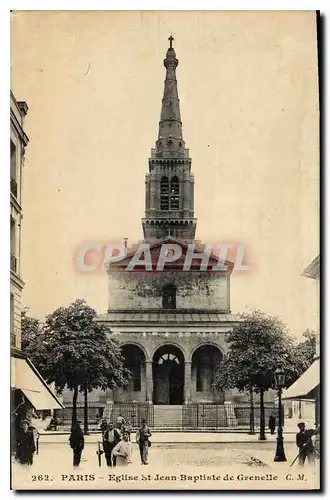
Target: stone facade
pixel 18 142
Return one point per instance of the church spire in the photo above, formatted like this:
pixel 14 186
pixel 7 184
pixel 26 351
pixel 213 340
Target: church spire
pixel 170 142
pixel 169 183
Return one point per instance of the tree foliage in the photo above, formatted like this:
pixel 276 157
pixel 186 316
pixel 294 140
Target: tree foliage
pixel 32 339
pixel 81 353
pixel 75 351
pixel 304 351
pixel 258 345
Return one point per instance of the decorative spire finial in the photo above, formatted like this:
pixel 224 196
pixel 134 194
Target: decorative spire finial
pixel 171 40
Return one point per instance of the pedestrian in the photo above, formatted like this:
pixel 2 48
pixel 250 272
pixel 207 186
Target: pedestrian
pixel 118 436
pixel 36 436
pixel 305 444
pixel 142 438
pixel 25 445
pixel 128 428
pixel 123 451
pixel 272 423
pixel 110 438
pixel 120 421
pixel 52 426
pixel 104 425
pixel 77 442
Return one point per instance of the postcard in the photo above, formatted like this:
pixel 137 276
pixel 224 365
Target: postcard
pixel 164 229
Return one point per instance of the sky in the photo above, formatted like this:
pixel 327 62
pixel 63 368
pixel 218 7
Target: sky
pixel 248 89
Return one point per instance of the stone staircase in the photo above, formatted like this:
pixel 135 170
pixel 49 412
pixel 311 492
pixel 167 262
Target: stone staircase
pixel 168 416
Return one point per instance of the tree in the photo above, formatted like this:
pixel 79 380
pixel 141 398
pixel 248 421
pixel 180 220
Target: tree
pixel 257 346
pixel 32 339
pixel 304 351
pixel 80 354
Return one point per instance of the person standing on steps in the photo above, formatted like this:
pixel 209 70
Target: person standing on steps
pixel 142 438
pixel 77 442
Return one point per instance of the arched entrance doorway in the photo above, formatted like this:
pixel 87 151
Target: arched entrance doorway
pixel 168 375
pixel 135 363
pixel 205 362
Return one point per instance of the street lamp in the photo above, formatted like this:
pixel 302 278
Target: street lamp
pixel 279 380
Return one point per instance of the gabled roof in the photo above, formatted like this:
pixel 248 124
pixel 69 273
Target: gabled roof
pixel 177 264
pixel 313 270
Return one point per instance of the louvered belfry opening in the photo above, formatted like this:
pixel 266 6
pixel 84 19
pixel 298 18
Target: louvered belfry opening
pixel 164 194
pixel 175 193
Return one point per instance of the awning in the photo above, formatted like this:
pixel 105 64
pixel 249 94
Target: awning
pixel 25 376
pixel 304 386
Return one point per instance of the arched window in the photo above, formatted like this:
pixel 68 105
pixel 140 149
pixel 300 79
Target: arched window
pixel 164 194
pixel 169 297
pixel 174 193
pixel 134 360
pixel 206 360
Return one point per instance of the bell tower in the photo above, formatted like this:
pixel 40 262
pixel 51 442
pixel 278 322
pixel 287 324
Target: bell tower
pixel 169 185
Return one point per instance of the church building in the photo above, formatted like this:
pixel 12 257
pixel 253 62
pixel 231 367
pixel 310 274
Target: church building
pixel 171 322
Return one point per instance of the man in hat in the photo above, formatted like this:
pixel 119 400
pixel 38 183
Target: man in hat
pixel 111 437
pixel 25 446
pixel 142 438
pixel 305 444
pixel 272 423
pixel 77 442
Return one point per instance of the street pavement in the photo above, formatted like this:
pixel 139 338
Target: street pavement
pixel 179 437
pixel 52 467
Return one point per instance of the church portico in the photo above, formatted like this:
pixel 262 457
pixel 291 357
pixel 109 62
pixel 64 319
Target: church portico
pixel 170 368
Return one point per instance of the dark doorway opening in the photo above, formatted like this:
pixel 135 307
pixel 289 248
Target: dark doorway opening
pixel 168 376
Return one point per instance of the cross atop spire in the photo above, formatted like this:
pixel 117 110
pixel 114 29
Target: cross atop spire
pixel 171 40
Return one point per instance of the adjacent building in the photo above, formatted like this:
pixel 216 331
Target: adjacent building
pixel 29 390
pixel 305 391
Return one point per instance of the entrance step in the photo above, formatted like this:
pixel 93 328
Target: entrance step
pixel 168 416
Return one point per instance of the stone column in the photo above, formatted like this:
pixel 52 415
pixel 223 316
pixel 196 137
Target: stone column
pixel 187 382
pixel 186 195
pixel 149 381
pixel 153 194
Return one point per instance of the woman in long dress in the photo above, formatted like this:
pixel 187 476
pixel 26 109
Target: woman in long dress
pixel 123 451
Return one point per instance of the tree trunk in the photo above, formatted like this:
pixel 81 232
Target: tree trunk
pixel 262 435
pixel 86 432
pixel 74 406
pixel 251 412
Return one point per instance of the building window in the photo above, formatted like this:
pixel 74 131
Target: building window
pixel 13 169
pixel 134 362
pixel 13 259
pixel 174 193
pixel 12 329
pixel 169 296
pixel 164 194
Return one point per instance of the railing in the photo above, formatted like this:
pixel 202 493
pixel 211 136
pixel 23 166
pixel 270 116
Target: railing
pixel 13 186
pixel 220 416
pixel 134 413
pixel 13 263
pixel 95 413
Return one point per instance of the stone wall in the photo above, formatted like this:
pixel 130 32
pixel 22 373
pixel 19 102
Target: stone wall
pixel 143 290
